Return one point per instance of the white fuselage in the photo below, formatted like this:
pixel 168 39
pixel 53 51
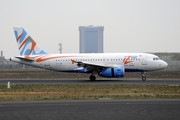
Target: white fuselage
pixel 103 64
pixel 131 62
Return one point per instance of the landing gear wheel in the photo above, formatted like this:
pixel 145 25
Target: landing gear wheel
pixel 92 78
pixel 143 78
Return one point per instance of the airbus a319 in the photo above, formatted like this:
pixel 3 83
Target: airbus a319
pixel 111 65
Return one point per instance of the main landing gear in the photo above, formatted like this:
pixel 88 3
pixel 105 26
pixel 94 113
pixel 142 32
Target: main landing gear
pixel 143 76
pixel 92 78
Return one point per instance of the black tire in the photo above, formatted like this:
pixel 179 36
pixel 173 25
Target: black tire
pixel 143 78
pixel 92 78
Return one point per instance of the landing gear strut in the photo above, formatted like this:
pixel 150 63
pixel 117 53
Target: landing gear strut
pixel 92 78
pixel 143 76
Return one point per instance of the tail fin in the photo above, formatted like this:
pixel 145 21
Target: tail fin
pixel 26 45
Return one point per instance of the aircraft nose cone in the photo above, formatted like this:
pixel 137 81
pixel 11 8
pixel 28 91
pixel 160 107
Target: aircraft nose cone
pixel 164 64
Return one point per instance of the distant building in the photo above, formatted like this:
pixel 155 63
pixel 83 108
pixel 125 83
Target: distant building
pixel 91 39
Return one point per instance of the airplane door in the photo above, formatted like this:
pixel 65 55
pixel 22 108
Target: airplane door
pixel 144 59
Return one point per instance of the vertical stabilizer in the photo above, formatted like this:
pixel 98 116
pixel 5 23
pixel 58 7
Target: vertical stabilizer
pixel 26 45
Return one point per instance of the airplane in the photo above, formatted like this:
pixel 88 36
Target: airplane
pixel 110 65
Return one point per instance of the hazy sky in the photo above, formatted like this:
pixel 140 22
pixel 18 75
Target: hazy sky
pixel 129 25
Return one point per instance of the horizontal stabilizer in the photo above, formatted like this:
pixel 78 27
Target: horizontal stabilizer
pixel 25 59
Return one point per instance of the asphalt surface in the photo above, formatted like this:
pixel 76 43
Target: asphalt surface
pixel 82 81
pixel 150 109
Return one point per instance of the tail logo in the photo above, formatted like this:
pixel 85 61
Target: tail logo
pixel 27 46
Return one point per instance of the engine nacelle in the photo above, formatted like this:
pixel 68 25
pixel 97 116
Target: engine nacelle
pixel 112 72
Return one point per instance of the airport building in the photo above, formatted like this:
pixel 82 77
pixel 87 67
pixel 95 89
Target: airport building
pixel 91 39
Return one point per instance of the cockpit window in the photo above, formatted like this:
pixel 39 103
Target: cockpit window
pixel 156 58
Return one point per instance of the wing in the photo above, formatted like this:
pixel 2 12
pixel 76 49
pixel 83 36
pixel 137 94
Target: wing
pixel 90 66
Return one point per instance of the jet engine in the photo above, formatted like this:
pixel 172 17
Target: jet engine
pixel 112 72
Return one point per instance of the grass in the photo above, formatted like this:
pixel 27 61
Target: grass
pixel 85 91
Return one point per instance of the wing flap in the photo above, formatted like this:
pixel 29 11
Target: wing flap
pixel 94 64
pixel 103 65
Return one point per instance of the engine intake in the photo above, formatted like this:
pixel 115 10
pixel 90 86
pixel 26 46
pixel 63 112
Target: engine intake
pixel 112 72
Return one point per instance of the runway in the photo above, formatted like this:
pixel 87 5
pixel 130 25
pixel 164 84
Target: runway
pixel 148 109
pixel 83 81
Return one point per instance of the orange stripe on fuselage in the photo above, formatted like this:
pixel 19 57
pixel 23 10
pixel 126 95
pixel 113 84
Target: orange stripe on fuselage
pixel 44 59
pixel 41 59
pixel 27 57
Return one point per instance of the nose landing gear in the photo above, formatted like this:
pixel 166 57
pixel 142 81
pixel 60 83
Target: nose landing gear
pixel 143 76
